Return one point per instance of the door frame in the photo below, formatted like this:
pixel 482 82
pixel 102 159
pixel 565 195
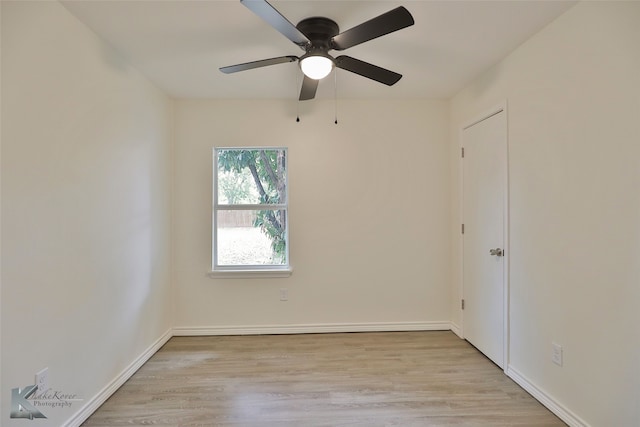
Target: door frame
pixel 501 107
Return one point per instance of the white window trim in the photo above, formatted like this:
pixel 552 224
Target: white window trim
pixel 249 271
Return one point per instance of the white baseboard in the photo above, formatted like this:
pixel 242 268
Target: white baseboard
pixel 456 330
pixel 94 403
pixel 311 328
pixel 547 400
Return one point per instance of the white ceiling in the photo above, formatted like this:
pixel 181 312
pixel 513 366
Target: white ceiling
pixel 180 44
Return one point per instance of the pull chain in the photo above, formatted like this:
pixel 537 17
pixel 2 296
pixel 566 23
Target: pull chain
pixel 298 102
pixel 335 92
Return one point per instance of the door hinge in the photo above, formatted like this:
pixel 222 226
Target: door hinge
pixel 462 149
pixel 462 304
pixel 462 228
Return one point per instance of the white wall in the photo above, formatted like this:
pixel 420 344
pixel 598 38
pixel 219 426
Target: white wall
pixel 573 94
pixel 369 214
pixel 86 178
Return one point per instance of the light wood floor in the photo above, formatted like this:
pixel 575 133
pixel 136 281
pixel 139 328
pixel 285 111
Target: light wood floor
pixel 360 379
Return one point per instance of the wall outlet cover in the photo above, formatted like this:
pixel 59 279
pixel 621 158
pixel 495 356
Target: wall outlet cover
pixel 42 380
pixel 556 354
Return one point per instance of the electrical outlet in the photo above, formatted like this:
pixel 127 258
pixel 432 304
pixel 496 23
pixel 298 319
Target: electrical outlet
pixel 42 380
pixel 556 354
pixel 284 294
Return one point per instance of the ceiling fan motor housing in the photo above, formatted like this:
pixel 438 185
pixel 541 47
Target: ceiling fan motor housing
pixel 319 31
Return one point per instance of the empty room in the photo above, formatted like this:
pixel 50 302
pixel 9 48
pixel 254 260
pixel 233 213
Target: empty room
pixel 320 213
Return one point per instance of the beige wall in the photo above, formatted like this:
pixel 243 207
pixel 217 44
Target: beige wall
pixel 573 94
pixel 86 157
pixel 369 214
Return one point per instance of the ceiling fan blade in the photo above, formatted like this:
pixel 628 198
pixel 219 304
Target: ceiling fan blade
pixel 309 87
pixel 257 64
pixel 367 70
pixel 386 23
pixel 274 18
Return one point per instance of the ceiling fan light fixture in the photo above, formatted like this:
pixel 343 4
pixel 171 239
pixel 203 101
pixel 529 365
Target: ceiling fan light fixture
pixel 316 66
pixel 317 36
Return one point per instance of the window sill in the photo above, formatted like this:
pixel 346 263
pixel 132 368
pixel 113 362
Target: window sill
pixel 251 274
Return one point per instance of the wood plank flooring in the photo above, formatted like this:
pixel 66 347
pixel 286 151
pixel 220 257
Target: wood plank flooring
pixel 348 379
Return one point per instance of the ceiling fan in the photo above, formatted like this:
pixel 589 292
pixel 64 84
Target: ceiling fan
pixel 317 36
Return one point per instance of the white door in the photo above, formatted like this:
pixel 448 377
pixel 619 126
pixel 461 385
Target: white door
pixel 483 211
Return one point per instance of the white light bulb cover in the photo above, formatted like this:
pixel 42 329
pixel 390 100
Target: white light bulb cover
pixel 316 66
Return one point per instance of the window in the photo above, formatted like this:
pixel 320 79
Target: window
pixel 250 211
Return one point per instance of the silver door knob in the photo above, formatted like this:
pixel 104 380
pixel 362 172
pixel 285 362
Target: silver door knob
pixel 496 252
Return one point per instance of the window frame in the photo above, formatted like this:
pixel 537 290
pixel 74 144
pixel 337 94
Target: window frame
pixel 247 271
